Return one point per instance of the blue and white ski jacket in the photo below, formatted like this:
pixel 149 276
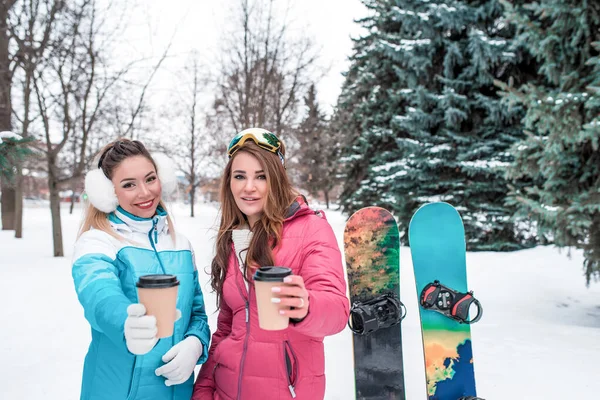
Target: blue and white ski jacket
pixel 105 271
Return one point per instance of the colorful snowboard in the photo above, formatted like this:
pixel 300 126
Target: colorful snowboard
pixel 372 251
pixel 437 244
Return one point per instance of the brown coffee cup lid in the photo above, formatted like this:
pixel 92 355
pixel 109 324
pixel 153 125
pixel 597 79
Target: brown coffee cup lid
pixel 271 274
pixel 157 281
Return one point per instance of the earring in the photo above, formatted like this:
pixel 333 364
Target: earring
pixel 101 191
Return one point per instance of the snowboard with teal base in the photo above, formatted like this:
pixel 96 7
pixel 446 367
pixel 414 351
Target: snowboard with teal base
pixel 437 245
pixel 372 252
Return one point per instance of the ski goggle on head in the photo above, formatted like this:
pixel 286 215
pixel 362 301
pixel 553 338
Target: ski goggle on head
pixel 263 138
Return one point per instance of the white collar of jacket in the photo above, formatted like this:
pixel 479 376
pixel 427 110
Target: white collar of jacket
pixel 125 221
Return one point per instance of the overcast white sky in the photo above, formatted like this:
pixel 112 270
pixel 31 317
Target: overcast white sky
pixel 200 24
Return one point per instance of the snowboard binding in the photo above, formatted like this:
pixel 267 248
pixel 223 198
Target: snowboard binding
pixel 470 398
pixel 453 304
pixel 378 313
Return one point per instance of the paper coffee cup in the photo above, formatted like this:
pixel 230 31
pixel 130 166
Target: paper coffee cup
pixel 158 293
pixel 268 312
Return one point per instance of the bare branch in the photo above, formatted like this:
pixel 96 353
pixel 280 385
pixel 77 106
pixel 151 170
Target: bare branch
pixel 143 93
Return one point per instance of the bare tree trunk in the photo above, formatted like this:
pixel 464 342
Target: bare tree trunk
pixel 592 250
pixel 19 201
pixel 55 213
pixel 192 196
pixel 74 184
pixel 8 192
pixel 53 188
pixel 5 72
pixel 72 206
pixel 19 174
pixel 193 145
pixel 7 203
pixel 326 194
pixel 194 156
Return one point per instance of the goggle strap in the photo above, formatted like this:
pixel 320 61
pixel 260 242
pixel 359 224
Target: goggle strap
pixel 263 145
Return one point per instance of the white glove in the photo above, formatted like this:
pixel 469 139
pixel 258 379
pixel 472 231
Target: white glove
pixel 140 330
pixel 181 360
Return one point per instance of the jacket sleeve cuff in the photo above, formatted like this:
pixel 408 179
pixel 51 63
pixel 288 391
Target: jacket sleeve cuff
pixel 204 338
pixel 316 323
pixel 309 325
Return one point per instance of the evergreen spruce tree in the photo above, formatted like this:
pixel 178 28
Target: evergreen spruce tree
pixel 12 148
pixel 561 150
pixel 371 96
pixel 319 150
pixel 428 122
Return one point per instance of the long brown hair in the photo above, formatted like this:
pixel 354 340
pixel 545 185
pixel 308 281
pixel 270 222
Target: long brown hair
pixel 110 157
pixel 267 230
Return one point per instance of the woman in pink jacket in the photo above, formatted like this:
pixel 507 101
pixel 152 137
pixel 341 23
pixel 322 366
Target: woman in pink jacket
pixel 266 222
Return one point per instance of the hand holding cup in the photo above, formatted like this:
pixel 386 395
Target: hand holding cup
pixel 140 330
pixel 292 297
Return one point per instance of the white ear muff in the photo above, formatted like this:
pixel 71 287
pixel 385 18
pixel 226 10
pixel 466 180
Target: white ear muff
pixel 166 169
pixel 100 191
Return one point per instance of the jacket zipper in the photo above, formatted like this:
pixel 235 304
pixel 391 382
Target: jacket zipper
pixel 153 243
pixel 291 369
pixel 135 358
pixel 247 308
pixel 154 230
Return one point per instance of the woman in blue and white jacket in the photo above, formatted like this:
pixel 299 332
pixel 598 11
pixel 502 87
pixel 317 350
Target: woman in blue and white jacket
pixel 127 233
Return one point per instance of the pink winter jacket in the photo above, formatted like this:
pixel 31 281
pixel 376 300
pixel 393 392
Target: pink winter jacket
pixel 248 363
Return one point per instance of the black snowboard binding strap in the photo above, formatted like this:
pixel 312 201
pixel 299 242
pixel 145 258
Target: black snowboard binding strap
pixel 451 303
pixel 381 312
pixel 470 398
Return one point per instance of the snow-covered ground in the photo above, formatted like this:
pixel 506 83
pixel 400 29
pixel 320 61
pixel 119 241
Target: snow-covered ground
pixel 539 337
